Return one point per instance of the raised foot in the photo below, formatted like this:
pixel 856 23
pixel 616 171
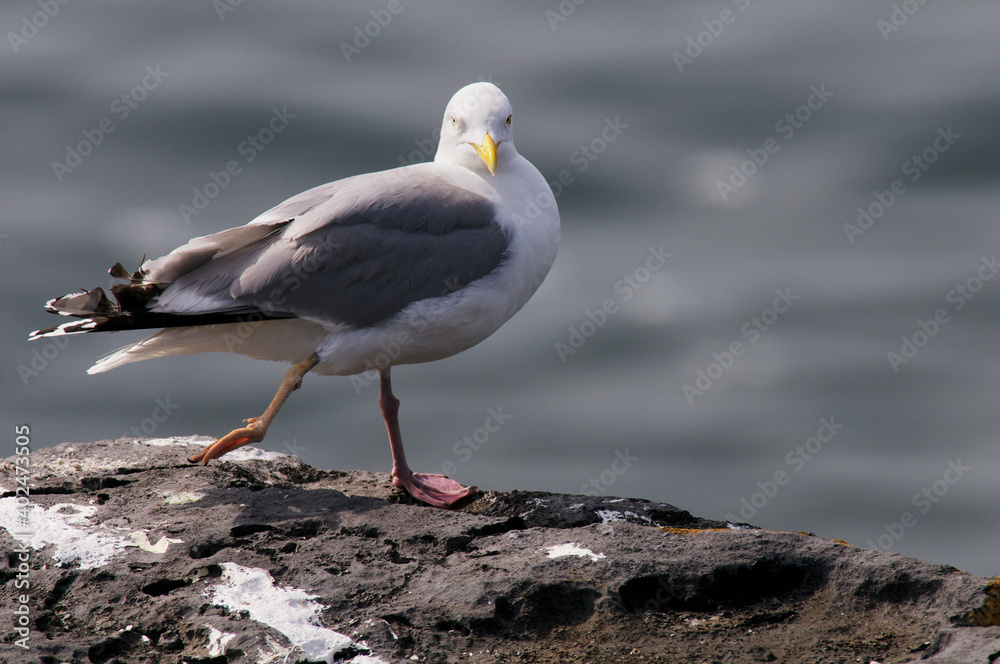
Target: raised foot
pixel 231 441
pixel 435 490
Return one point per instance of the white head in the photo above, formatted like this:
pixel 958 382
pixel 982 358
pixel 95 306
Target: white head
pixel 477 129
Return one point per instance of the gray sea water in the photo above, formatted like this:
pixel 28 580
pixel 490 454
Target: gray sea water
pixel 775 298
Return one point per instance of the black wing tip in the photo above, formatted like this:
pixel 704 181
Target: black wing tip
pixel 98 312
pixel 153 320
pixel 74 327
pixel 131 309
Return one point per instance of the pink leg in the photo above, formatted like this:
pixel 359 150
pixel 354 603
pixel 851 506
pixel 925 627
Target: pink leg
pixel 436 490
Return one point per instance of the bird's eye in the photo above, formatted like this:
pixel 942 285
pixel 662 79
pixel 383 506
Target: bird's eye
pixel 454 122
pixel 508 119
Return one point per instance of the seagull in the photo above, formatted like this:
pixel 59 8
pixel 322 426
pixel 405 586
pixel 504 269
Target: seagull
pixel 407 265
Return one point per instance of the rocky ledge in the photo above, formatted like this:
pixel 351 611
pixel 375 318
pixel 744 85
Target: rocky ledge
pixel 124 552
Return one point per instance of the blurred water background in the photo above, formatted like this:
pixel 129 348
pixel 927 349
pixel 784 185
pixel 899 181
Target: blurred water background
pixel 716 331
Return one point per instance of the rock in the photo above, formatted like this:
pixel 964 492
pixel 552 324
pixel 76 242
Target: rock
pixel 130 554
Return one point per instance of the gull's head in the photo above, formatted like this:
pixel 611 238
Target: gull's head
pixel 477 131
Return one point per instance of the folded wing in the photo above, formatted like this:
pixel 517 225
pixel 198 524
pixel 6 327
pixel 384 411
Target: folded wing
pixel 350 253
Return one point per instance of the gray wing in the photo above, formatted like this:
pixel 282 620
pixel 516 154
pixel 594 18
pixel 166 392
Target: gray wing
pixel 357 252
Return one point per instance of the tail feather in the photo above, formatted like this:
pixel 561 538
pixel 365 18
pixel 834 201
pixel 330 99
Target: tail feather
pixel 290 340
pixel 86 303
pixel 131 309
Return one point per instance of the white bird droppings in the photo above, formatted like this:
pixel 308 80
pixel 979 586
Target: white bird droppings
pixel 572 549
pixel 290 611
pixel 217 641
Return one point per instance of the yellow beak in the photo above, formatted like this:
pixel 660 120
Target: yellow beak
pixel 488 153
